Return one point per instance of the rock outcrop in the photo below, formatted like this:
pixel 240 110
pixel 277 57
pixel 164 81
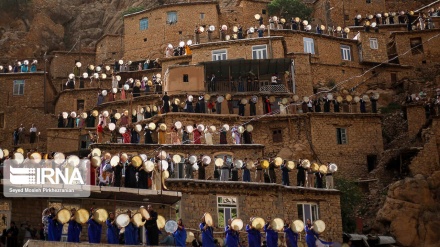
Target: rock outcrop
pixel 28 29
pixel 411 211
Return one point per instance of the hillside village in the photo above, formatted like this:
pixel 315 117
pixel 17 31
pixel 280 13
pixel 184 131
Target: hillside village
pixel 221 107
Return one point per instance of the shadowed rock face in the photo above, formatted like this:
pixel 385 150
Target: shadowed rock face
pixel 412 211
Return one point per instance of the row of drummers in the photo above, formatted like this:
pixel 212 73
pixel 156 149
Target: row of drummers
pixel 219 99
pixel 139 219
pixel 101 216
pixel 179 126
pixel 163 162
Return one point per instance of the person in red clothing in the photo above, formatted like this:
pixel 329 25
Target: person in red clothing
pixel 210 107
pixel 100 132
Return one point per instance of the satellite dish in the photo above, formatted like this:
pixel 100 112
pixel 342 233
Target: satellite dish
pixel 257 17
pixel 189 42
pixel 121 62
pixel 85 75
pixel 374 24
pixel 309 27
pixel 212 28
pixel 181 44
pixel 118 77
pixel 71 76
pixel 78 64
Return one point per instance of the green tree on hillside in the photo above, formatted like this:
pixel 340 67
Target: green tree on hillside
pixel 351 197
pixel 289 9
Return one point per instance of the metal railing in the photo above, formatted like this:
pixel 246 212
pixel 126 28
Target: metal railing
pixel 274 88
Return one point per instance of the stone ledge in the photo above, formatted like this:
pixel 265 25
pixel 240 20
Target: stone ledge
pixel 186 184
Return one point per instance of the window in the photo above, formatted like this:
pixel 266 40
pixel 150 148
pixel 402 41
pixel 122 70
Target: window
pixel 185 78
pixel 341 135
pixel 143 24
pixel 373 43
pixel 416 46
pixel 226 209
pixel 219 55
pixel 263 11
pixel 18 87
pixel 202 16
pixel 346 17
pixel 259 52
pixel 309 45
pixel 368 1
pixel 2 120
pixel 346 52
pixel 393 77
pixel 277 135
pixel 79 104
pixel 308 211
pixel 171 17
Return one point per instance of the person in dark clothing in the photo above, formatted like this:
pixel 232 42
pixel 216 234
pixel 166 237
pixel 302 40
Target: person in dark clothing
pixel 61 121
pixel 272 176
pixel 335 106
pixel 304 107
pixel 202 104
pixel 317 104
pixel 201 171
pixel 252 108
pixel 216 173
pixel 241 108
pixel 427 110
pixel 326 104
pixel 70 122
pixel 148 135
pixel 362 106
pixel 373 104
pixel 12 235
pixel 142 178
pixel 151 227
pixel 136 91
pixel 285 172
pixel 166 103
pixel 174 107
pixel 301 175
pixel 117 174
pixel 130 176
pixel 247 137
pixel 319 176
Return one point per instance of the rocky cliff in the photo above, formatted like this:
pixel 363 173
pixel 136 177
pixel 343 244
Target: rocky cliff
pixel 412 211
pixel 30 28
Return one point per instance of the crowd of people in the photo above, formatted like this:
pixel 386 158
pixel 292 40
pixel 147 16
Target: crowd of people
pixel 420 21
pixel 130 234
pixel 16 236
pixel 19 67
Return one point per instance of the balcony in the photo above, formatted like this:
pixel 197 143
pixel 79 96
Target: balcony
pixel 248 75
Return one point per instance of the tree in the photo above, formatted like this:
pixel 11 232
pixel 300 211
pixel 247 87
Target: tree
pixel 351 197
pixel 289 8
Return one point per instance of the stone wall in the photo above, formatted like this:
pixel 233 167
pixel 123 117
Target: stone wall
pixel 406 57
pixel 335 11
pixel 369 54
pixel 363 135
pixel 259 200
pixel 66 140
pixel 63 63
pixel 237 49
pixel 416 118
pixel 327 48
pixel 26 109
pixel 151 43
pixel 108 49
pixel 427 160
